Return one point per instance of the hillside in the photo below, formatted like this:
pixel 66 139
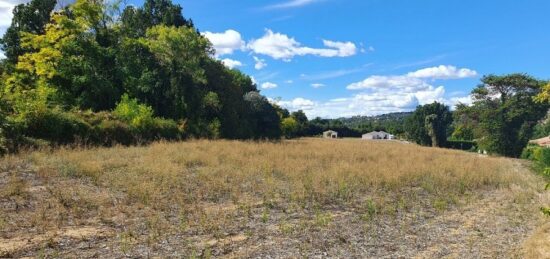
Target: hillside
pixel 299 198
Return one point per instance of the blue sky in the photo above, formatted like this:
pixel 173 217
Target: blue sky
pixel 335 58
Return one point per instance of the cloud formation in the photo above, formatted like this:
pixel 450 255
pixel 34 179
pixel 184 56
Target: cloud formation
pixel 394 93
pixel 268 85
pixel 297 104
pixel 291 4
pixel 281 46
pixel 413 80
pixel 443 72
pixel 231 63
pixel 260 63
pixel 225 43
pixel 317 85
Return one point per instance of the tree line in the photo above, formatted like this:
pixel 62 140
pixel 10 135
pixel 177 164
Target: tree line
pixel 507 111
pixel 98 73
pixel 95 73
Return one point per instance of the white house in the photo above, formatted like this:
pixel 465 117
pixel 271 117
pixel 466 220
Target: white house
pixel 330 134
pixel 378 135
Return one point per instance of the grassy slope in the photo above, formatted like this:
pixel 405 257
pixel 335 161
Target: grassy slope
pixel 237 199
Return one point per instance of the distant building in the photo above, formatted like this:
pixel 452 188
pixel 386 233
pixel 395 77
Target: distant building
pixel 378 135
pixel 330 134
pixel 543 142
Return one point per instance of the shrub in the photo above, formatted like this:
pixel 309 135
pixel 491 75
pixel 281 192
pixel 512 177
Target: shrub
pixel 55 125
pixel 542 156
pixel 136 114
pixel 110 132
pixel 159 129
pixel 528 152
pixel 143 124
pixel 461 144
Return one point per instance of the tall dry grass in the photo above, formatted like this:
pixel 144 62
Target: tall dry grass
pixel 303 171
pixel 211 188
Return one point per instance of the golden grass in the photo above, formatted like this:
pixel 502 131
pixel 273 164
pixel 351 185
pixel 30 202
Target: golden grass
pixel 309 170
pixel 204 187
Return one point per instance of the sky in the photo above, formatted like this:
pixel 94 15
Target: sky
pixel 341 58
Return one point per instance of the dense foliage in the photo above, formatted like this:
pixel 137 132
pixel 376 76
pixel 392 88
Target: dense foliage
pixel 429 124
pixel 146 69
pixel 504 114
pixel 391 122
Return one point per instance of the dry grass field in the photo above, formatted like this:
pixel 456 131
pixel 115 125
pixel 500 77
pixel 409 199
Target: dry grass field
pixel 302 198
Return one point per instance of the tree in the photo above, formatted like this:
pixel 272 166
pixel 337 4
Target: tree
pixel 431 127
pixel 27 18
pixel 428 125
pixel 465 123
pixel 136 21
pixel 87 57
pixel 302 122
pixel 265 121
pixel 507 112
pixel 289 127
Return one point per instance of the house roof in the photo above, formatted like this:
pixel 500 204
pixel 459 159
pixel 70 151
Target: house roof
pixel 541 141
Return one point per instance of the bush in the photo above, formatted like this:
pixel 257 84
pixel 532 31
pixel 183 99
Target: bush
pixel 158 129
pixel 144 126
pixel 461 144
pixel 111 132
pixel 540 155
pixel 136 114
pixel 529 152
pixel 55 125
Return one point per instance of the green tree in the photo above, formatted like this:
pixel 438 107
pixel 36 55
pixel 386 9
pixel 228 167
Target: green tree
pixel 437 116
pixel 465 123
pixel 265 121
pixel 27 18
pixel 507 112
pixel 301 121
pixel 289 127
pixel 136 21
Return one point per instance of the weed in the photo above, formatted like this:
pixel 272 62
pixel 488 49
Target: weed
pixel 440 204
pixel 265 215
pixel 370 210
pixel 322 219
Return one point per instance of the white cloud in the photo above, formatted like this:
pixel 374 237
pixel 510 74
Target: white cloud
pixel 269 85
pixel 291 4
pixel 289 81
pixel 6 9
pixel 226 42
pixel 230 63
pixel 368 103
pixel 443 72
pixel 376 82
pixel 345 49
pixel 317 85
pixel 281 46
pixel 381 94
pixel 297 104
pixel 260 63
